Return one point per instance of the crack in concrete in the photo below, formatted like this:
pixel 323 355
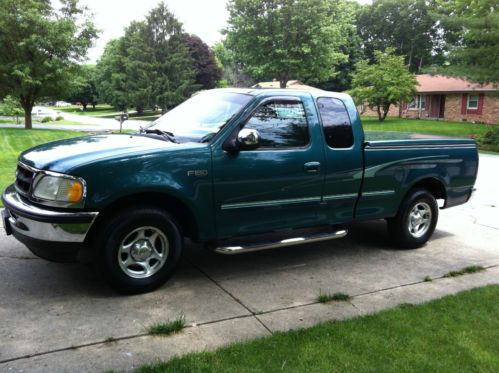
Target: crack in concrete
pixel 251 315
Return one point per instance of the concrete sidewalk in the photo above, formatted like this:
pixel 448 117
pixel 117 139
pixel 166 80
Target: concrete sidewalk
pixel 56 317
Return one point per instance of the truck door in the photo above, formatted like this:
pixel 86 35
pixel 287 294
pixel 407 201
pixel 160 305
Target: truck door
pixel 279 184
pixel 343 161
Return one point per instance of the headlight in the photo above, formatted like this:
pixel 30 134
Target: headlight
pixel 59 188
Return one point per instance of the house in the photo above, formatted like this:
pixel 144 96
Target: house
pixel 293 84
pixel 450 99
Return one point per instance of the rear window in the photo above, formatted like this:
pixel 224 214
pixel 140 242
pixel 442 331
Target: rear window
pixel 336 122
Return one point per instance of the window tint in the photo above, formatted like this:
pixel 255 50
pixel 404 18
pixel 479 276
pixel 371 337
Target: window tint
pixel 336 122
pixel 281 124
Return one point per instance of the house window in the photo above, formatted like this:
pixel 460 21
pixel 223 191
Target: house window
pixel 417 102
pixel 472 102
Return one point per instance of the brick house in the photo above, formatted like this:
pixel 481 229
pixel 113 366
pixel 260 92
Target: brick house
pixel 450 99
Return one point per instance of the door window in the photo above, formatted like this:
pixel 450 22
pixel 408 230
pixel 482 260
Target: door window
pixel 336 122
pixel 281 124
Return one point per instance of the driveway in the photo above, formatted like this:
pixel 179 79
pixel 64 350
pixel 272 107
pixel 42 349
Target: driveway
pixel 57 317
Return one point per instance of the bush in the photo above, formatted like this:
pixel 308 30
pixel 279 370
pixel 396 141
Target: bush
pixel 59 117
pixel 46 119
pixel 490 140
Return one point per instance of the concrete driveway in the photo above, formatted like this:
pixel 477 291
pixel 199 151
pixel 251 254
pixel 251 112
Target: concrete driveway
pixel 56 317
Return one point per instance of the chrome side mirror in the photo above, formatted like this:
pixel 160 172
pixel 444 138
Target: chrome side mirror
pixel 248 139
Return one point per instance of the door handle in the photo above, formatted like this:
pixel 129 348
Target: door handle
pixel 312 166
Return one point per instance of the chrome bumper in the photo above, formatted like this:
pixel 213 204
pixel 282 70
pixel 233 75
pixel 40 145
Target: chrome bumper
pixel 28 220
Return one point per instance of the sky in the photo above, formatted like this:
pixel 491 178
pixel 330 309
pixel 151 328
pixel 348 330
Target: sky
pixel 204 18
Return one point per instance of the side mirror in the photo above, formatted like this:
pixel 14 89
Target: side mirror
pixel 248 139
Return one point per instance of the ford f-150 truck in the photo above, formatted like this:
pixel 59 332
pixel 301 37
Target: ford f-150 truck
pixel 236 169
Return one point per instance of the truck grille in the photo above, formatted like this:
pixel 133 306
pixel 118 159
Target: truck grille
pixel 24 178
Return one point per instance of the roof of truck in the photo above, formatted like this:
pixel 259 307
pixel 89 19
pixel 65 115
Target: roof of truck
pixel 277 91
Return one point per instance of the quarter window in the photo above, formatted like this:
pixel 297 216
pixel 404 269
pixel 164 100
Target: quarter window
pixel 336 122
pixel 281 124
pixel 472 102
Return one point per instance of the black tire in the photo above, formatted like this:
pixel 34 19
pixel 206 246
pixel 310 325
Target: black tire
pixel 408 230
pixel 111 258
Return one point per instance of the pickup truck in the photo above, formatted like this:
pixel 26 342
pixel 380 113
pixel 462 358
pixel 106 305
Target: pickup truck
pixel 237 170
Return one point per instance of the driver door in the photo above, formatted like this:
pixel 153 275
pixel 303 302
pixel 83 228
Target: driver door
pixel 277 185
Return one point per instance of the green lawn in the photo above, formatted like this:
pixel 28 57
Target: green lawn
pixel 99 110
pixel 455 334
pixel 13 141
pixel 456 129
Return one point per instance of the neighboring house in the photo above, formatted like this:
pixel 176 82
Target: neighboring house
pixel 450 99
pixel 293 84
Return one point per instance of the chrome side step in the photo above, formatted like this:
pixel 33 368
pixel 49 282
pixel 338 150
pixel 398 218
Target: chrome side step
pixel 230 250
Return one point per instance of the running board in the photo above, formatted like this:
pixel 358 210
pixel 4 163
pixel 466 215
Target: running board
pixel 230 250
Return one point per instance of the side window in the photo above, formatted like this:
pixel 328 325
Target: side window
pixel 336 122
pixel 281 124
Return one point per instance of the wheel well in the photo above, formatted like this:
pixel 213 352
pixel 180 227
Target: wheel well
pixel 434 186
pixel 174 206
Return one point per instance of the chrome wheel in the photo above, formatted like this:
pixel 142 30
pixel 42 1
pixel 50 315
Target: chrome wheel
pixel 419 219
pixel 143 252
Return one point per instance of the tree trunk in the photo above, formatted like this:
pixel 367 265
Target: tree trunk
pixel 385 112
pixel 283 81
pixel 93 105
pixel 84 104
pixel 140 110
pixel 380 116
pixel 27 106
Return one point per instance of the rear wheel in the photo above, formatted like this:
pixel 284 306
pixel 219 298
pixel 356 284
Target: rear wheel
pixel 416 219
pixel 139 249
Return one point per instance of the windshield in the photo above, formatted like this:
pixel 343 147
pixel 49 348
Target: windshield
pixel 202 116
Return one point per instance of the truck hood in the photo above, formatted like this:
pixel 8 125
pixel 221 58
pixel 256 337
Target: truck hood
pixel 63 155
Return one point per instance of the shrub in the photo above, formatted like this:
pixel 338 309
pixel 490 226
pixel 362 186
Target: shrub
pixel 46 119
pixel 490 140
pixel 59 117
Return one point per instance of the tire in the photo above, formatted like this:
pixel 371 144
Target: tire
pixel 416 219
pixel 139 249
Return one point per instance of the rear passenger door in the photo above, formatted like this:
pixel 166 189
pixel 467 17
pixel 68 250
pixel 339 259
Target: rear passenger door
pixel 343 162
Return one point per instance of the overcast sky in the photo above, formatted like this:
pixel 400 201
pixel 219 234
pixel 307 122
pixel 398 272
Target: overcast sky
pixel 204 18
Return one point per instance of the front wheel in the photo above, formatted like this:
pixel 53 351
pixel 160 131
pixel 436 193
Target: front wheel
pixel 139 249
pixel 416 219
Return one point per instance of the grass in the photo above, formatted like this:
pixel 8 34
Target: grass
pixel 14 140
pixel 454 129
pixel 99 110
pixel 464 271
pixel 458 333
pixel 326 297
pixel 427 279
pixel 167 328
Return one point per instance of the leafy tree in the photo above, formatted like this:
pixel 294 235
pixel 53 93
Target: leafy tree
pixel 473 33
pixel 10 106
pixel 287 39
pixel 149 66
pixel 40 48
pixel 208 73
pixel 405 25
pixel 232 71
pixel 85 90
pixel 382 84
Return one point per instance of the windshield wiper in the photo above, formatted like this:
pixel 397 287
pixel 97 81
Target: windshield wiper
pixel 168 135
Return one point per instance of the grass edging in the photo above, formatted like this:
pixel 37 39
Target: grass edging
pixel 328 297
pixel 464 271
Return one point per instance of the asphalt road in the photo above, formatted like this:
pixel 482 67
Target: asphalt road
pixel 60 317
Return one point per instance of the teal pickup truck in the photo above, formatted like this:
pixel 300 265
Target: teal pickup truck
pixel 236 169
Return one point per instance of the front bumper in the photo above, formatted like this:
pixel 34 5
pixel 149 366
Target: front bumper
pixel 28 222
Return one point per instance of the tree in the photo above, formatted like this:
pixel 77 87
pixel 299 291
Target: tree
pixel 10 106
pixel 382 84
pixel 149 66
pixel 473 33
pixel 41 47
pixel 205 66
pixel 232 70
pixel 287 39
pixel 407 26
pixel 85 90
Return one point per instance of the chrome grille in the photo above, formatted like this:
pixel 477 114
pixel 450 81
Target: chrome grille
pixel 24 178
